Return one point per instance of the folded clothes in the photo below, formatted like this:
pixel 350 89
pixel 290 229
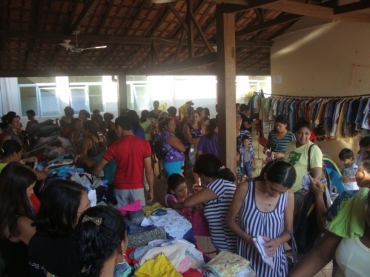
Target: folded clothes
pixel 158 267
pixel 156 210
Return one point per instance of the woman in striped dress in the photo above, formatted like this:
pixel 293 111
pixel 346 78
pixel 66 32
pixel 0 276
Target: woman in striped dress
pixel 265 207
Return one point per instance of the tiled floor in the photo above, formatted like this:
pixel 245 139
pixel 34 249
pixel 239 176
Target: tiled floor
pixel 160 190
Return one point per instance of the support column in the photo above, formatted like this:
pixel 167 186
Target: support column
pixel 122 92
pixel 226 88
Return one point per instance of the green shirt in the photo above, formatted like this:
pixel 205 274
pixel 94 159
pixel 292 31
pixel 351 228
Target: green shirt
pixel 145 125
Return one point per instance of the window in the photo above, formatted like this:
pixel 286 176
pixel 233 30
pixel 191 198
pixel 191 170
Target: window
pixel 86 97
pixel 43 100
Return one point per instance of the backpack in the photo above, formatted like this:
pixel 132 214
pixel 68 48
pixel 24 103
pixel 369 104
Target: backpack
pixel 306 228
pixel 158 148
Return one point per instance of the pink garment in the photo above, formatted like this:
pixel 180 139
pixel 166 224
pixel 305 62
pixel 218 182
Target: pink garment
pixel 185 264
pixel 132 207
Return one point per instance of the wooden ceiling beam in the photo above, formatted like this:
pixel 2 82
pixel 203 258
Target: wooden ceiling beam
pixel 273 22
pixel 72 14
pixel 3 40
pixel 160 20
pixel 105 17
pixel 85 12
pixel 179 18
pixel 38 15
pixel 352 7
pixel 236 8
pixel 134 18
pixel 109 71
pixel 200 32
pixel 185 64
pixel 316 11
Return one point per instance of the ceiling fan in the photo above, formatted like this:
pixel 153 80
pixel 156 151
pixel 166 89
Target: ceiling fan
pixel 76 49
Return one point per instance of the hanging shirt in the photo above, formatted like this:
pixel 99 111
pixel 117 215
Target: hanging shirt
pixel 365 121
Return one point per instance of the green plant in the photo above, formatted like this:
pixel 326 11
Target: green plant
pixel 163 107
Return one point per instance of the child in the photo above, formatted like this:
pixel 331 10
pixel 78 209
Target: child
pixel 247 156
pixel 348 169
pixel 177 190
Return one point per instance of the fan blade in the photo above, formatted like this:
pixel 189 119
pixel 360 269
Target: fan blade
pixel 66 45
pixel 95 47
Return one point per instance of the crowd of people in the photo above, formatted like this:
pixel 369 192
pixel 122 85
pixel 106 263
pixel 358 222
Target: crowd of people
pixel 61 235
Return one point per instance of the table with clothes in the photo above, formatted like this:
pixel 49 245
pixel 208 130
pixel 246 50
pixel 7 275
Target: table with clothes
pixel 161 243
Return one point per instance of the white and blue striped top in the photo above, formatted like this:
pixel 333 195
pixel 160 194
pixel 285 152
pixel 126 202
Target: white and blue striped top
pixel 269 224
pixel 215 212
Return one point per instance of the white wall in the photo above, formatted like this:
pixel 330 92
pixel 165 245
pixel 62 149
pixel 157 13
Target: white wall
pixel 328 60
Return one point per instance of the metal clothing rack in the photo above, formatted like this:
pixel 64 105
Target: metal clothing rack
pixel 319 96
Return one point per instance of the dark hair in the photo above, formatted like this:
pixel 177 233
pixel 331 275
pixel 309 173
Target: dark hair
pixel 155 101
pixel 134 118
pixel 302 124
pixel 10 118
pixel 365 142
pixel 172 111
pixel 124 122
pixel 97 118
pixel 213 124
pixel 69 111
pixel 173 181
pixel 279 172
pixel 91 127
pixel 95 244
pixel 144 116
pixel 199 110
pixel 74 121
pixel 4 123
pixel 206 110
pixel 164 123
pixel 189 110
pixel 210 166
pixel 246 137
pixel 124 111
pixel 193 112
pixel 346 153
pixel 108 116
pixel 282 119
pixel 244 107
pixel 31 112
pixel 96 111
pixel 10 147
pixel 366 164
pixel 112 136
pixel 85 113
pixel 15 179
pixel 58 210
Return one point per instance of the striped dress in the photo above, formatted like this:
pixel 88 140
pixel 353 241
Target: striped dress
pixel 254 222
pixel 215 212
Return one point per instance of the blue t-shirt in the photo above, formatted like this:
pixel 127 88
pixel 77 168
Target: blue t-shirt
pixel 139 132
pixel 209 146
pixel 108 169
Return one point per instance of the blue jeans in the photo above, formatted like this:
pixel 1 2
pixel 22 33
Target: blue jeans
pixel 247 168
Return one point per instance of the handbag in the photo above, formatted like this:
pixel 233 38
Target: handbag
pixel 292 263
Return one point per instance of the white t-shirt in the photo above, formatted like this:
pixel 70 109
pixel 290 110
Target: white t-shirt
pixel 353 258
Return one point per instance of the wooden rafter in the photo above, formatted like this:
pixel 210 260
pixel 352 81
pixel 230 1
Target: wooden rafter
pixel 72 14
pixel 105 17
pixel 190 23
pixel 235 8
pixel 85 12
pixel 3 40
pixel 160 20
pixel 200 31
pixel 267 24
pixel 316 11
pixel 352 7
pixel 178 16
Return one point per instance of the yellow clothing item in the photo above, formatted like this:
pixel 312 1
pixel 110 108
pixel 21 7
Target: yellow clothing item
pixel 159 267
pixel 182 111
pixel 150 210
pixel 2 165
pixel 298 157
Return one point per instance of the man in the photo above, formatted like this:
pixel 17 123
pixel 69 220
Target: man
pixel 154 113
pixel 183 109
pixel 132 155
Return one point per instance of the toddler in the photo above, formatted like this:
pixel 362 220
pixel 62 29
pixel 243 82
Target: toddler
pixel 348 169
pixel 247 156
pixel 177 190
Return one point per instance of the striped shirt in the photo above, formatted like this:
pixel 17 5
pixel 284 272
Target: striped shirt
pixel 279 145
pixel 215 212
pixel 269 224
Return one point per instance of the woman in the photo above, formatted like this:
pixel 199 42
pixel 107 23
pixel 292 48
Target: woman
pixel 147 125
pixel 202 114
pixel 66 121
pixel 11 151
pixel 172 147
pixel 136 129
pixel 76 135
pixel 279 138
pixel 108 117
pixel 217 193
pixel 51 249
pixel 31 117
pixel 103 227
pixel 207 116
pixel 246 121
pixel 13 132
pixel 209 143
pixel 348 241
pixel 92 144
pixel 16 187
pixel 193 132
pixel 265 207
pixel 84 115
